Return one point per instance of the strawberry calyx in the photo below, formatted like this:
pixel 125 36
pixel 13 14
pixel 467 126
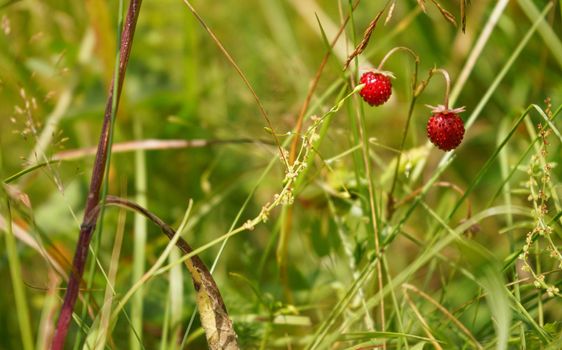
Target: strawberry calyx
pixel 379 71
pixel 444 109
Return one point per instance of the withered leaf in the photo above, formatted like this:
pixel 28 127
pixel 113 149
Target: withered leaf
pixel 365 41
pixel 446 14
pixel 218 327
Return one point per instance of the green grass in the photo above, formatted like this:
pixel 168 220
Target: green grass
pixel 307 257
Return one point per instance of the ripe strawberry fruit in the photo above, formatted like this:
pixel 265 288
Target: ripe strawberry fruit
pixel 377 89
pixel 445 128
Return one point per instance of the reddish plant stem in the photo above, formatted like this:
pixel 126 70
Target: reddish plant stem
pixel 89 221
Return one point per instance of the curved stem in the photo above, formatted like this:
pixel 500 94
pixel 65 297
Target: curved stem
pixel 231 60
pixel 210 304
pixel 447 83
pixel 399 48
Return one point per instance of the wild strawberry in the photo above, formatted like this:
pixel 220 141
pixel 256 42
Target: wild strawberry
pixel 445 128
pixel 377 89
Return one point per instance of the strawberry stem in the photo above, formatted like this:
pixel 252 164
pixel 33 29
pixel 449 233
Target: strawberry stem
pixel 447 83
pixel 392 51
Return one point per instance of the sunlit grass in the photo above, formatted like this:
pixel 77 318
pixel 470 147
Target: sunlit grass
pixel 372 238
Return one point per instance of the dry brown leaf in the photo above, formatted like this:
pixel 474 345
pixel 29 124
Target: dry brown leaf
pixel 463 15
pixel 365 41
pixel 16 193
pixel 214 317
pixel 446 14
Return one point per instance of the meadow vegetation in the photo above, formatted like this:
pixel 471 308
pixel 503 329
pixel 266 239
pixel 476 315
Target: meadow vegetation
pixel 241 135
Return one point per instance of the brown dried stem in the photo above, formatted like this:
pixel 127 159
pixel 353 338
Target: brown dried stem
pixel 154 144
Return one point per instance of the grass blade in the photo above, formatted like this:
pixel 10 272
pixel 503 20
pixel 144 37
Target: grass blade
pixel 17 280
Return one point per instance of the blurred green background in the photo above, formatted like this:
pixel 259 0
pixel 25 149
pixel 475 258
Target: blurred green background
pixel 56 63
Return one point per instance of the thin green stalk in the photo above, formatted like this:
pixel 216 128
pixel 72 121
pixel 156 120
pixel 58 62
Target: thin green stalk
pixel 265 337
pixel 506 67
pixel 354 136
pixel 373 210
pixel 175 296
pixel 342 305
pixel 15 267
pixel 139 244
pixel 344 236
pixel 550 38
pixel 98 332
pixel 242 76
pixel 514 169
pixel 397 310
pixel 432 251
pixel 278 198
pixel 50 305
pixel 21 173
pixel 494 155
pixel 371 193
pixel 262 177
pixel 154 268
pixel 224 242
pixel 407 125
pixel 540 311
pixel 17 280
pixel 504 170
pixel 165 327
pixel 477 49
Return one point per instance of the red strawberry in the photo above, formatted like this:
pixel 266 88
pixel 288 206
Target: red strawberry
pixel 445 128
pixel 377 89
